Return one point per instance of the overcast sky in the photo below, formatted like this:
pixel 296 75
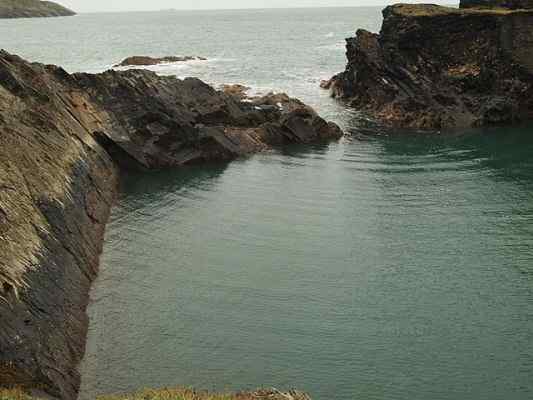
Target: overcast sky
pixel 139 5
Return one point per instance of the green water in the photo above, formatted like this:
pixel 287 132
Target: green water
pixel 388 266
pixel 376 268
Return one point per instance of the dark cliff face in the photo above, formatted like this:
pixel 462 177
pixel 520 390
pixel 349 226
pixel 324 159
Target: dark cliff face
pixel 63 139
pixel 436 67
pixel 56 188
pixel 32 9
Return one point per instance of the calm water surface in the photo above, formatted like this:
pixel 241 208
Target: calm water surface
pixel 385 266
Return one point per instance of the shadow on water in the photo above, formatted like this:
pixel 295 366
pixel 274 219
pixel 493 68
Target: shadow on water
pixel 484 174
pixel 303 150
pixel 507 151
pixel 147 185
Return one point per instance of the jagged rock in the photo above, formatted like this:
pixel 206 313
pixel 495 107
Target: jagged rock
pixel 62 137
pixel 171 122
pixel 438 67
pixel 147 61
pixel 32 8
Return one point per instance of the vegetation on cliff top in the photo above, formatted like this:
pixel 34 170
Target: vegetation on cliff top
pixel 431 10
pixel 32 8
pixel 13 394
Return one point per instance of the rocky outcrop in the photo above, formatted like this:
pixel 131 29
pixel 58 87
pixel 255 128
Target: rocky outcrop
pixel 63 140
pixel 436 67
pixel 510 4
pixel 147 61
pixel 157 122
pixel 32 8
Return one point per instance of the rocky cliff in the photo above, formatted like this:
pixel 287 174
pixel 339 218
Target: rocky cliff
pixel 32 8
pixel 437 67
pixel 63 140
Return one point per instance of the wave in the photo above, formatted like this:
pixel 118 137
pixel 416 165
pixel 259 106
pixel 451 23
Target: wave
pixel 333 46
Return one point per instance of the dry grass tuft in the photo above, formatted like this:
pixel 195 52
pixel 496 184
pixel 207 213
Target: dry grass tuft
pixel 14 394
pixel 432 10
pixel 179 393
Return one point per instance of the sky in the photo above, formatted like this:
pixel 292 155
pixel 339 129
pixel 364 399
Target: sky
pixel 145 5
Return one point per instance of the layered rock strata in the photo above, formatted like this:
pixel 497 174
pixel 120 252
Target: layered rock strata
pixel 437 67
pixel 63 140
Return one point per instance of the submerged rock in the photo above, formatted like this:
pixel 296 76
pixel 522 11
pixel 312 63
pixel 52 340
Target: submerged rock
pixel 32 8
pixel 62 137
pixel 147 61
pixel 437 67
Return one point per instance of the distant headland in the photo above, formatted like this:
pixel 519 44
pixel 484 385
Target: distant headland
pixel 32 9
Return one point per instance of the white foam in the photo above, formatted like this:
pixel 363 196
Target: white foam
pixel 334 46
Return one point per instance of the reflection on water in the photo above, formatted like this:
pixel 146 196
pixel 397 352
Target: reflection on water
pixel 378 267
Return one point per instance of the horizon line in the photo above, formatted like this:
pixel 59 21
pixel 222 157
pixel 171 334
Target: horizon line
pixel 243 9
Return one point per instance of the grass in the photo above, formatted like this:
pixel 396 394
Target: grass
pixel 431 10
pixel 147 394
pixel 169 394
pixel 176 394
pixel 14 394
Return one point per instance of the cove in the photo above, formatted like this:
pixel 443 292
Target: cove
pixel 379 267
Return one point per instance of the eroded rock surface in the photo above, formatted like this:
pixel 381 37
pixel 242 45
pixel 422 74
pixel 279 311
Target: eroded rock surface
pixel 163 121
pixel 438 67
pixel 63 139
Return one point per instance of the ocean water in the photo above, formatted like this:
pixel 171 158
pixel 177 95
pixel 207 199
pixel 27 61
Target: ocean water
pixel 389 265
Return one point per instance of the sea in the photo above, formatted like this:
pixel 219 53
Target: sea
pixel 391 265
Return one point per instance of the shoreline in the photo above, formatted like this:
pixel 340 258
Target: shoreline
pixel 71 136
